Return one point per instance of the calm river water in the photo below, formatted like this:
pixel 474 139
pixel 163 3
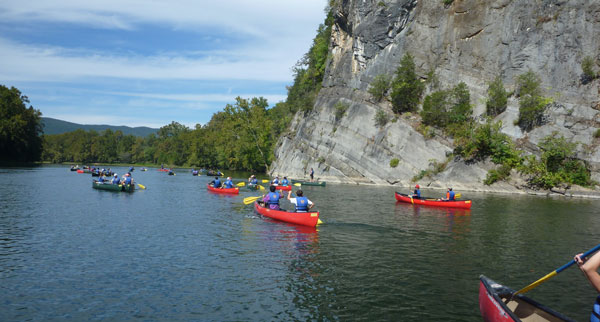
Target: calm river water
pixel 177 252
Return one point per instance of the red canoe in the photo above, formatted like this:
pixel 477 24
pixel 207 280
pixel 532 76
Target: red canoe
pixel 466 204
pixel 284 188
pixel 164 170
pixel 310 219
pixel 495 305
pixel 234 191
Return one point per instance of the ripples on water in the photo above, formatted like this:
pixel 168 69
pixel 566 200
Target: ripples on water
pixel 177 252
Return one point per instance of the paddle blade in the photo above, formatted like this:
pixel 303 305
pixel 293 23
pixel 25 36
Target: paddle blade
pixel 534 284
pixel 141 186
pixel 265 181
pixel 261 187
pixel 297 184
pixel 241 184
pixel 319 222
pixel 250 200
pixel 458 195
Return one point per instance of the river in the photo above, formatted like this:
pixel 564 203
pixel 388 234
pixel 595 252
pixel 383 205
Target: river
pixel 178 252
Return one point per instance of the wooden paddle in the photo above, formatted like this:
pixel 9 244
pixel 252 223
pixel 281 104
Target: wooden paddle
pixel 250 200
pixel 551 274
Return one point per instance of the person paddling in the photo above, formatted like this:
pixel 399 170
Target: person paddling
pixel 285 182
pixel 252 180
pixel 272 198
pixel 275 181
pixel 449 195
pixel 417 192
pixel 115 179
pixel 128 180
pixel 312 175
pixel 228 183
pixel 216 183
pixel 302 203
pixel 589 267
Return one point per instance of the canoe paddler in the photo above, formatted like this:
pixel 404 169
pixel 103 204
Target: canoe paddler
pixel 285 182
pixel 302 203
pixel 115 179
pixel 253 180
pixel 589 267
pixel 128 179
pixel 417 192
pixel 216 183
pixel 449 195
pixel 272 198
pixel 275 181
pixel 228 183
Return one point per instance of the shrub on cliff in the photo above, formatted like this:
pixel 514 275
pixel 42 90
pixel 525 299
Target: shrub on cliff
pixel 380 86
pixel 340 110
pixel 407 88
pixel 557 164
pixel 587 66
pixel 497 98
pixel 447 107
pixel 381 118
pixel 531 102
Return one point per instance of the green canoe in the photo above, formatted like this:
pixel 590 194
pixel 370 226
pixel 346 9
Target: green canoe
pixel 308 183
pixel 252 187
pixel 113 187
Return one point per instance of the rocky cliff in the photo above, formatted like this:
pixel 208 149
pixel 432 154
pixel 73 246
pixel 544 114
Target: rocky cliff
pixel 470 41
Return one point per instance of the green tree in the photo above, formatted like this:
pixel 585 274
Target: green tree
pixel 379 86
pixel 434 110
pixel 407 88
pixel 461 109
pixel 20 127
pixel 531 103
pixel 497 98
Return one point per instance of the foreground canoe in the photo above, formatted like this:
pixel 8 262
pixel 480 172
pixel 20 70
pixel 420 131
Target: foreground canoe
pixel 465 204
pixel 495 305
pixel 113 187
pixel 233 191
pixel 310 219
pixel 308 183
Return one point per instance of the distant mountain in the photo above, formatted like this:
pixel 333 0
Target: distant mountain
pixel 54 126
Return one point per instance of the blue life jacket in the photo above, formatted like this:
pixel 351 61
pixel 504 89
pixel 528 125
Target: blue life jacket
pixel 284 182
pixel 101 179
pixel 301 204
pixel 275 182
pixel 418 193
pixel 451 195
pixel 254 181
pixel 127 180
pixel 228 184
pixel 273 198
pixel 217 183
pixel 595 317
pixel 115 180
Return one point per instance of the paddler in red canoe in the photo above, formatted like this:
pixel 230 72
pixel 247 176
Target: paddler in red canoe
pixel 417 192
pixel 272 198
pixel 302 203
pixel 449 195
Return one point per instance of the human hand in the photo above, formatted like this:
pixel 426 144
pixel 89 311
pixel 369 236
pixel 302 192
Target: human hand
pixel 578 260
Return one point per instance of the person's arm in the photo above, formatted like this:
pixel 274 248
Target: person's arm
pixel 289 197
pixel 590 268
pixel 310 204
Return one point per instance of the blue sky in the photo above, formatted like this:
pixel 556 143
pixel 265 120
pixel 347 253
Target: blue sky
pixel 147 63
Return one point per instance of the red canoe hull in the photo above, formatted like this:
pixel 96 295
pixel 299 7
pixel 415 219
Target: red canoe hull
pixel 465 204
pixel 286 188
pixel 229 191
pixel 493 306
pixel 300 218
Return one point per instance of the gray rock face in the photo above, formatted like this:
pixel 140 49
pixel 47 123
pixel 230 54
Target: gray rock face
pixel 469 41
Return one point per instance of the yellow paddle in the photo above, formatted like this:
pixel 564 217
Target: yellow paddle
pixel 551 274
pixel 141 186
pixel 250 200
pixel 265 180
pixel 319 221
pixel 298 184
pixel 458 195
pixel 241 184
pixel 260 187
